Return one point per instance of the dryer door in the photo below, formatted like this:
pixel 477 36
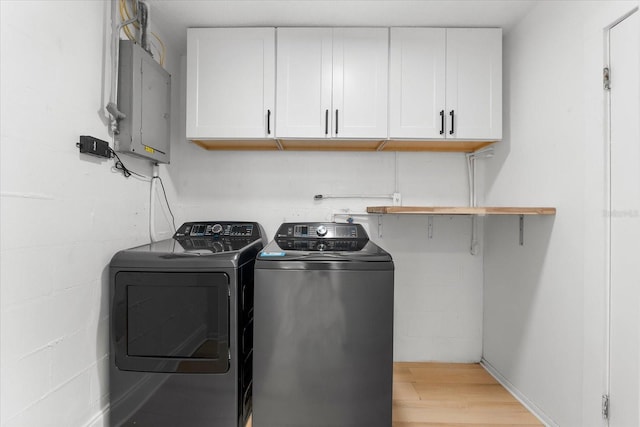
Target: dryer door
pixel 171 322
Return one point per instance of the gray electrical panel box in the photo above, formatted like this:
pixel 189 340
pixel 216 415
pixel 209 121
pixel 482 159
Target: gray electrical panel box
pixel 144 97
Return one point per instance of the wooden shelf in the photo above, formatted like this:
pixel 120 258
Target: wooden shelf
pixel 439 146
pixel 237 144
pixel 343 145
pixel 437 210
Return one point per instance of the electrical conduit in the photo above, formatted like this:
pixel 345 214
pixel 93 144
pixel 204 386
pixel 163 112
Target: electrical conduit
pixel 152 208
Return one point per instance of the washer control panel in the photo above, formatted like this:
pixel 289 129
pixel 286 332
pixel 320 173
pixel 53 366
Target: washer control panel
pixel 321 230
pixel 339 245
pixel 321 237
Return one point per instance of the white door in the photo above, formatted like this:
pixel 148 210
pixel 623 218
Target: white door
pixel 474 83
pixel 360 81
pixel 624 64
pixel 230 82
pixel 303 99
pixel 417 83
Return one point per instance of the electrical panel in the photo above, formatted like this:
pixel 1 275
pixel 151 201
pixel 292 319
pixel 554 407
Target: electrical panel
pixel 144 97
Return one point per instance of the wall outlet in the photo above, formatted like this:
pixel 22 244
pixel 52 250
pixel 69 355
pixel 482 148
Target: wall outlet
pixel 397 199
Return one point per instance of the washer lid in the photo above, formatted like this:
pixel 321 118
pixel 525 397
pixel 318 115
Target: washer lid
pixel 370 253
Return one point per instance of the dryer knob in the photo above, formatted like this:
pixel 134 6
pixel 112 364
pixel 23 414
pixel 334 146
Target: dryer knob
pixel 216 229
pixel 321 230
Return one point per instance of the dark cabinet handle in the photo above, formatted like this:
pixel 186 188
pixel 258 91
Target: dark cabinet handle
pixel 268 122
pixel 441 122
pixel 452 126
pixel 336 122
pixel 326 122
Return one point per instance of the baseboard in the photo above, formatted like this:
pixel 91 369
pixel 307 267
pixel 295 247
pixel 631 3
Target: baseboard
pixel 100 419
pixel 532 407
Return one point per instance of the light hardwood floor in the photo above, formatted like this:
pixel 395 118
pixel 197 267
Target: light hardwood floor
pixel 443 394
pixel 453 395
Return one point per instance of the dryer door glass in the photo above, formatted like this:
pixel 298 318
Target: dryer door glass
pixel 172 322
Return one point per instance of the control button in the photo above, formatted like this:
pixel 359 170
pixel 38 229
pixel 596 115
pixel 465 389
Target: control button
pixel 216 229
pixel 321 247
pixel 321 230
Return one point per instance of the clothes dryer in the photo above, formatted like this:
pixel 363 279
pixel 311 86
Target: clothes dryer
pixel 181 338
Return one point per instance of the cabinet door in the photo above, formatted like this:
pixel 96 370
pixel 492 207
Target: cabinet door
pixel 360 71
pixel 303 98
pixel 474 83
pixel 417 83
pixel 230 82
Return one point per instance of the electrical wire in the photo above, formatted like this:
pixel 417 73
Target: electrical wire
pixel 124 11
pixel 164 192
pixel 125 15
pixel 163 50
pixel 126 172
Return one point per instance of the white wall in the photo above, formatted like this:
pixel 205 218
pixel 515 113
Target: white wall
pixel 438 283
pixel 438 298
pixel 544 302
pixel 63 215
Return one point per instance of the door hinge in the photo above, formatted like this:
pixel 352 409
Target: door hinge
pixel 606 78
pixel 605 406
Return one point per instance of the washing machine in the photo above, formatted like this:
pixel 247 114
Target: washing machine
pixel 323 341
pixel 181 338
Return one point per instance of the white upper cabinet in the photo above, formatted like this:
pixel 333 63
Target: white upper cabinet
pixel 343 83
pixel 360 82
pixel 417 82
pixel 332 83
pixel 230 83
pixel 474 83
pixel 303 98
pixel 446 83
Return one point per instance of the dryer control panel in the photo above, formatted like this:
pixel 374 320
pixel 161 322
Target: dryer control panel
pixel 215 228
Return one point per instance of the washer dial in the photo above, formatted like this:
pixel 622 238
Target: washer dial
pixel 321 230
